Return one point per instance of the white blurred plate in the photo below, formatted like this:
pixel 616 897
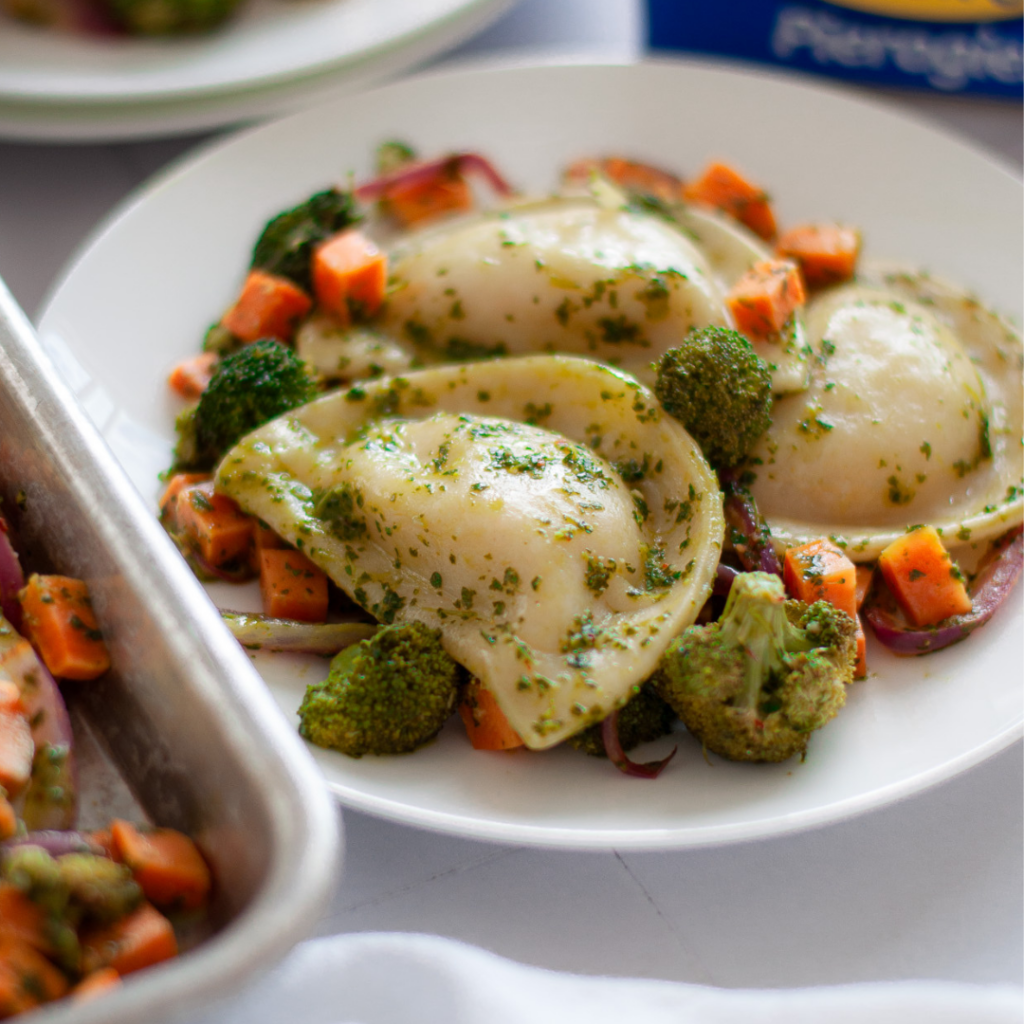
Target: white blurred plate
pixel 271 56
pixel 141 294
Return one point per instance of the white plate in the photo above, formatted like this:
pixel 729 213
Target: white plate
pixel 141 294
pixel 268 42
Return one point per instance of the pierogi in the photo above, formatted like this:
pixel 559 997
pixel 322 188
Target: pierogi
pixel 913 415
pixel 543 512
pixel 576 275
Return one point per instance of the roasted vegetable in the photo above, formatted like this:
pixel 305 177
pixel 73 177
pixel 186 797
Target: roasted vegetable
pixel 249 388
pixel 386 695
pixel 720 389
pixel 754 685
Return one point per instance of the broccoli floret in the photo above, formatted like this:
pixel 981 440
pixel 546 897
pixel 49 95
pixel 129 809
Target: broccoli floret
pixel 34 872
pixel 99 888
pixel 386 695
pixel 69 890
pixel 644 718
pixel 720 389
pixel 170 17
pixel 754 685
pixel 249 387
pixel 286 244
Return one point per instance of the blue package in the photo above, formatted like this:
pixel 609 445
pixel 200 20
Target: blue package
pixel 953 46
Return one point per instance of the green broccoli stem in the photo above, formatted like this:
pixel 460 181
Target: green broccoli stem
pixel 755 619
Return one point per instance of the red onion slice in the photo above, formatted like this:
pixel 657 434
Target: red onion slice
pixel 992 586
pixel 618 757
pixel 261 632
pixel 56 842
pixel 756 552
pixel 50 800
pixel 12 579
pixel 427 170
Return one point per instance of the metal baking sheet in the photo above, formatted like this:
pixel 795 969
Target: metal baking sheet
pixel 182 730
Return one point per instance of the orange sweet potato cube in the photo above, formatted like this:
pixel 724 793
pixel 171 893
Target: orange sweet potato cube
pixel 923 578
pixel 268 307
pixel 821 571
pixel 765 297
pixel 292 587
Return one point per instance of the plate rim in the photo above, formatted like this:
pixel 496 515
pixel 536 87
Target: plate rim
pixel 653 840
pixel 585 838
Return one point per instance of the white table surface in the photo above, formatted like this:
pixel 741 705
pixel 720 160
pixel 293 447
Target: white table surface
pixel 927 888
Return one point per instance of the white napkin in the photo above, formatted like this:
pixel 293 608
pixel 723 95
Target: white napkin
pixel 421 979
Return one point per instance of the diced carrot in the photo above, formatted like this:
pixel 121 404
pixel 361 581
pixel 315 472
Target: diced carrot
pixel 169 499
pixel 350 275
pixel 579 172
pixel 263 539
pixel 17 747
pixel 27 978
pixel 629 174
pixel 726 189
pixel 414 202
pixel 641 177
pixel 820 571
pixel 190 377
pixel 292 587
pixel 826 253
pixel 61 625
pixel 765 297
pixel 166 863
pixel 486 724
pixel 213 524
pixel 865 577
pixel 22 920
pixel 923 578
pixel 103 840
pixel 268 307
pixel 139 939
pixel 98 983
pixel 8 819
pixel 861 668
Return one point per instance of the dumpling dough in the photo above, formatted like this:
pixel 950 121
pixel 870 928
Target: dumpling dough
pixel 542 512
pixel 913 416
pixel 571 275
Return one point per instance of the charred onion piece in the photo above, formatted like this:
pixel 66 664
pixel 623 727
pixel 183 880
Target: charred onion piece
pixel 756 553
pixel 262 633
pixel 991 588
pixel 618 757
pixel 12 579
pixel 427 170
pixel 207 571
pixel 91 17
pixel 724 576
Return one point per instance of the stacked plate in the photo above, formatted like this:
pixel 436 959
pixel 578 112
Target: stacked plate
pixel 273 56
